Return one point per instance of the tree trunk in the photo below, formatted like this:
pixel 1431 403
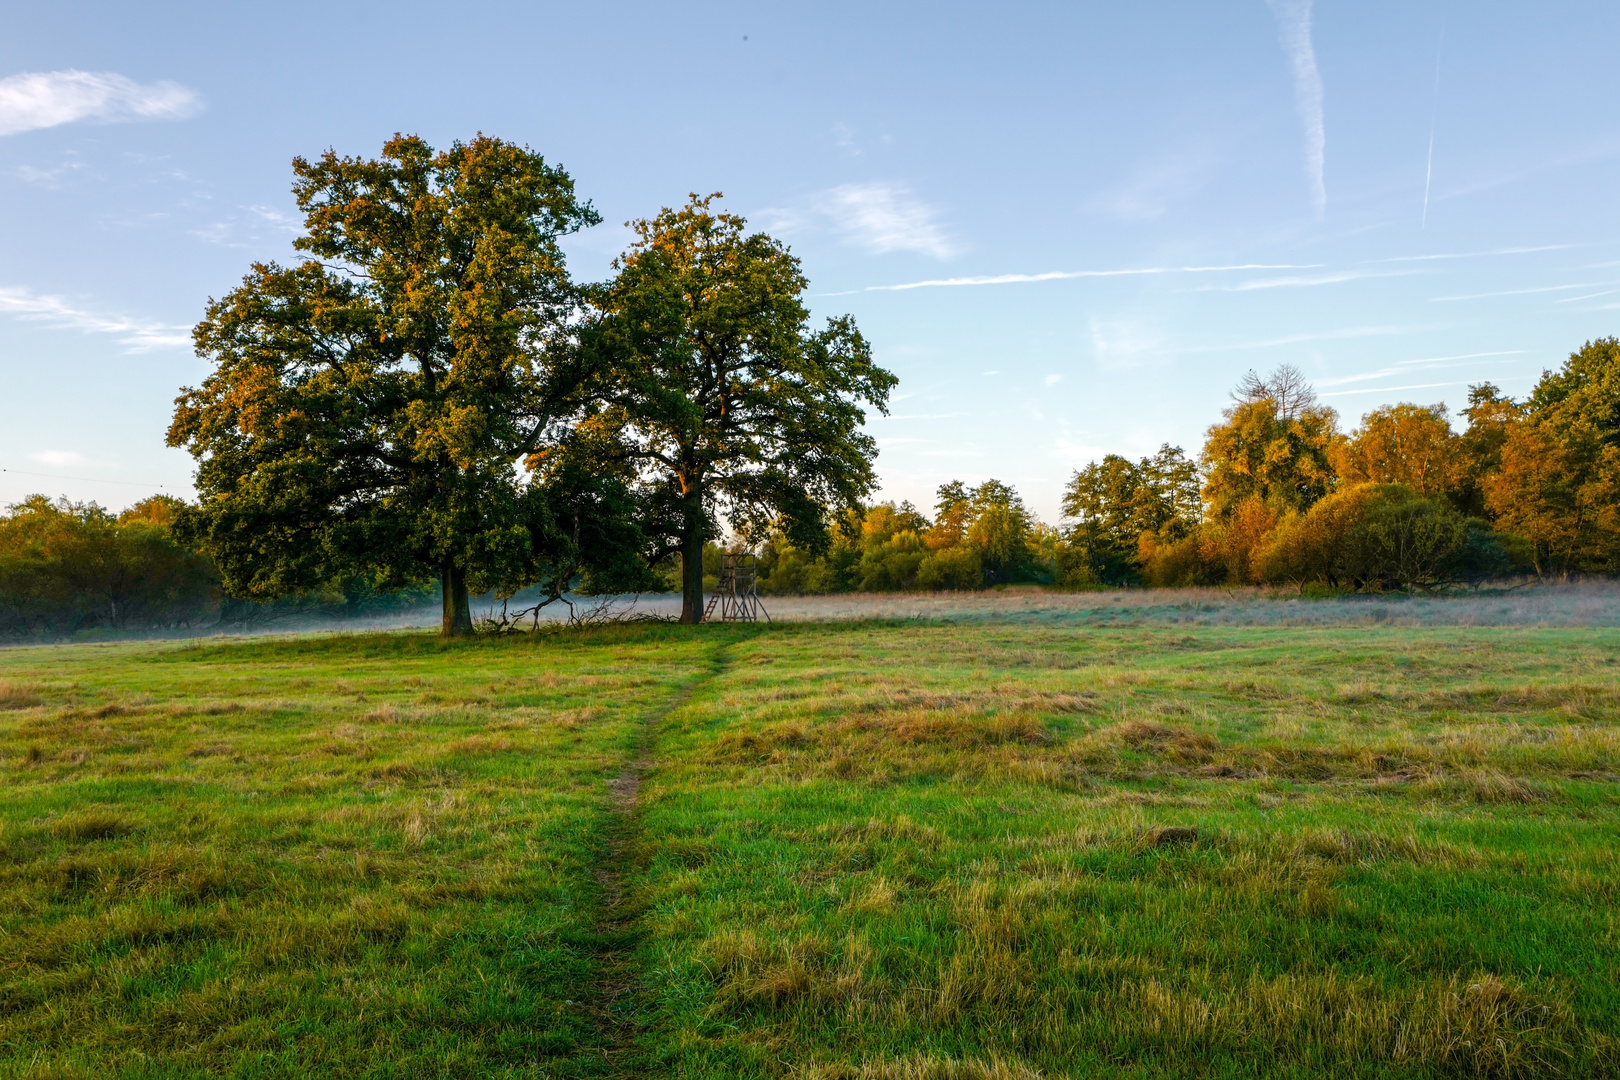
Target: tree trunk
pixel 693 533
pixel 457 608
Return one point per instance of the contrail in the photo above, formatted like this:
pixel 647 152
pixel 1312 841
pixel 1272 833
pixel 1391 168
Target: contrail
pixel 1066 275
pixel 1294 31
pixel 1434 115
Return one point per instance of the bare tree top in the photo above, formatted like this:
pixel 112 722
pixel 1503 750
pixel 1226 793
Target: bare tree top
pixel 1286 387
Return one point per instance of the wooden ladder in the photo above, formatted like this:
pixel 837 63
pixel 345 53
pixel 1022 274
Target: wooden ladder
pixel 714 601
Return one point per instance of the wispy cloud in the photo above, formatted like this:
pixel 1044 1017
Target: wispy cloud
pixel 1298 339
pixel 1478 254
pixel 58 459
pixel 1390 389
pixel 1307 280
pixel 1522 292
pixel 1053 380
pixel 1294 30
pixel 1077 454
pixel 239 232
pixel 1606 147
pixel 140 335
pixel 1588 296
pixel 46 178
pixel 882 218
pixel 1444 361
pixel 43 99
pixel 1434 120
pixel 1149 193
pixel 1126 342
pixel 275 218
pixel 1066 275
pixel 1404 367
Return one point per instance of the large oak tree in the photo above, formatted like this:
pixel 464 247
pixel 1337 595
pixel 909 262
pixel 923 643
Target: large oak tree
pixel 368 407
pixel 726 400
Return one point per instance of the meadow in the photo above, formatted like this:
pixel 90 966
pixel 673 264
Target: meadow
pixel 993 848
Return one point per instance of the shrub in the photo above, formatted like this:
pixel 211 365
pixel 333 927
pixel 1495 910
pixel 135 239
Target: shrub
pixel 951 568
pixel 1172 565
pixel 1373 536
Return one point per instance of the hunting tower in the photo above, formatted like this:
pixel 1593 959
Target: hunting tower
pixel 737 598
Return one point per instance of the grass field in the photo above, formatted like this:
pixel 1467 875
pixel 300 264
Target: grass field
pixel 873 850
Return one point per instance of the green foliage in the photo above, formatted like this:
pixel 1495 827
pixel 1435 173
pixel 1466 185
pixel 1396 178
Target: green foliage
pixel 892 548
pixel 980 536
pixel 367 407
pixel 1401 502
pixel 954 568
pixel 1000 532
pixel 723 398
pixel 1179 563
pixel 1114 503
pixel 1581 400
pixel 1373 536
pixel 1490 413
pixel 66 567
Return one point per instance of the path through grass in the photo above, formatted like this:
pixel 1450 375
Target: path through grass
pixel 853 851
pixel 364 856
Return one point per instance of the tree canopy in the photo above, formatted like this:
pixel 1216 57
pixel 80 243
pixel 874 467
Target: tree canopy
pixel 1402 444
pixel 718 391
pixel 1557 477
pixel 1115 501
pixel 1272 447
pixel 368 407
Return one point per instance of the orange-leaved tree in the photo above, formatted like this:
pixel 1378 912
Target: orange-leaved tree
pixel 1271 446
pixel 1557 481
pixel 1402 444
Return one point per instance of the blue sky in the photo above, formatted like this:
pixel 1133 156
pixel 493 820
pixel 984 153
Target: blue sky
pixel 1069 229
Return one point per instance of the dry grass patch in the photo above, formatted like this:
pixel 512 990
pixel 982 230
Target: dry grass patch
pixel 875 738
pixel 16 695
pixel 91 824
pixel 484 744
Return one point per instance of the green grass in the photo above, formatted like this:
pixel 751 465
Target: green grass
pixel 870 851
pixel 337 856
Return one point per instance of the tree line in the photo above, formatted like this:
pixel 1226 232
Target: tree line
pixel 68 568
pixel 1280 495
pixel 428 401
